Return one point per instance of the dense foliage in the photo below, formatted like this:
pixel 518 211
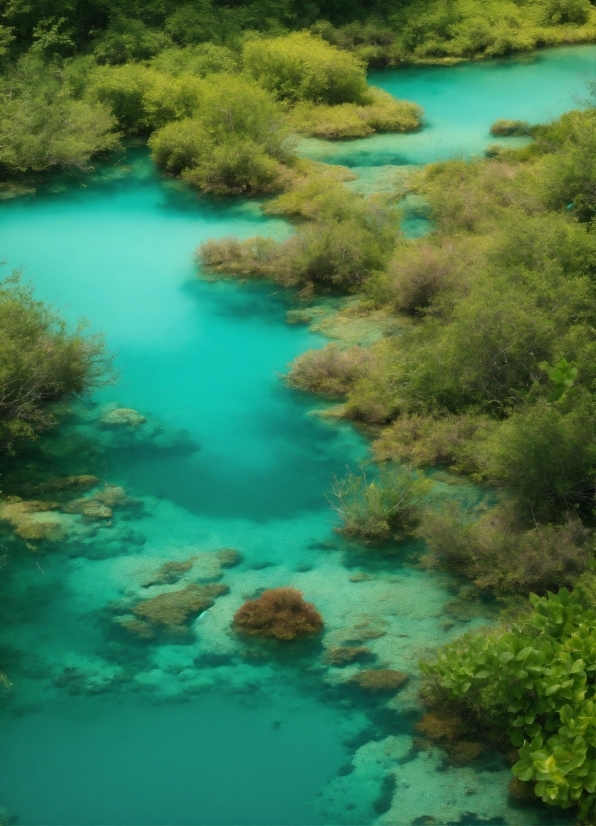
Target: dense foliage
pixel 540 678
pixel 42 362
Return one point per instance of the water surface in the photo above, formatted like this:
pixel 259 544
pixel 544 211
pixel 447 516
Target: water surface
pixel 103 728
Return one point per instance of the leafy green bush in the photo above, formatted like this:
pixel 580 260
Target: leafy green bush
pixel 350 238
pixel 381 509
pixel 235 142
pixel 128 39
pixel 204 59
pixel 43 126
pixel 539 681
pixel 382 113
pixel 300 66
pixel 546 457
pixel 143 99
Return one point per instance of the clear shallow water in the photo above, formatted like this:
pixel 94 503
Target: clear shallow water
pixel 105 728
pixel 461 103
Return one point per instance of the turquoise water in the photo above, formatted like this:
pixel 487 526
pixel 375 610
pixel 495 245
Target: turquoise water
pixel 461 102
pixel 102 727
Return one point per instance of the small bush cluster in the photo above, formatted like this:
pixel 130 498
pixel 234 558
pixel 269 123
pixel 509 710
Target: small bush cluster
pixel 330 372
pixel 381 509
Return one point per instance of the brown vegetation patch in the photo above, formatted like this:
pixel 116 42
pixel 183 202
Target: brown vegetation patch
pixel 281 613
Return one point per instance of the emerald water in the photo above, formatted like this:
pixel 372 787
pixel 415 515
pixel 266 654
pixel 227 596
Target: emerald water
pixel 103 727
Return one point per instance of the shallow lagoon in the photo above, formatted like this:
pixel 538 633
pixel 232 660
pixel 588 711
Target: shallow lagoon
pixel 107 729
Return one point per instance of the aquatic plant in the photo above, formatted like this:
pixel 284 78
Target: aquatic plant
pixel 281 613
pixel 382 508
pixel 381 680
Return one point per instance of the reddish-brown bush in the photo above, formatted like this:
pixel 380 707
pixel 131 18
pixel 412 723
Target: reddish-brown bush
pixel 279 613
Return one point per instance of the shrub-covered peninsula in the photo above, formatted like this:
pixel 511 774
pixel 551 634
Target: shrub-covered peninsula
pixel 489 375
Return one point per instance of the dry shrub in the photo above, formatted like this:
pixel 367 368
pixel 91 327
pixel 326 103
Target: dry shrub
pixel 329 371
pixel 252 257
pixel 425 440
pixel 281 613
pixel 497 552
pixel 420 270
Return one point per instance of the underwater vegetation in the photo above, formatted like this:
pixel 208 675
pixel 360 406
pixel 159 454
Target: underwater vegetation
pixel 281 613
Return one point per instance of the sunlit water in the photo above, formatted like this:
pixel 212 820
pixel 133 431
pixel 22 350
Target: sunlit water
pixel 104 728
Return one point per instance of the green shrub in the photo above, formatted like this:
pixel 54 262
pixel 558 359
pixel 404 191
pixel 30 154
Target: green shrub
pixel 127 39
pixel 43 126
pixel 546 457
pixel 41 363
pixel 234 143
pixel 238 166
pixel 505 128
pixel 300 66
pixel 350 239
pixel 382 113
pixel 537 681
pixel 204 59
pixel 381 509
pixel 143 99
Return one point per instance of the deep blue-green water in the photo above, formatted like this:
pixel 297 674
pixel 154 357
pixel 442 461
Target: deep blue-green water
pixel 104 728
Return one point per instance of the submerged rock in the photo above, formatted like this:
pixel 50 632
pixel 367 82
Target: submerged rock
pixel 58 484
pixel 228 557
pixel 101 504
pixel 380 680
pixel 33 520
pixel 344 655
pixel 170 572
pixel 122 417
pixel 171 611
